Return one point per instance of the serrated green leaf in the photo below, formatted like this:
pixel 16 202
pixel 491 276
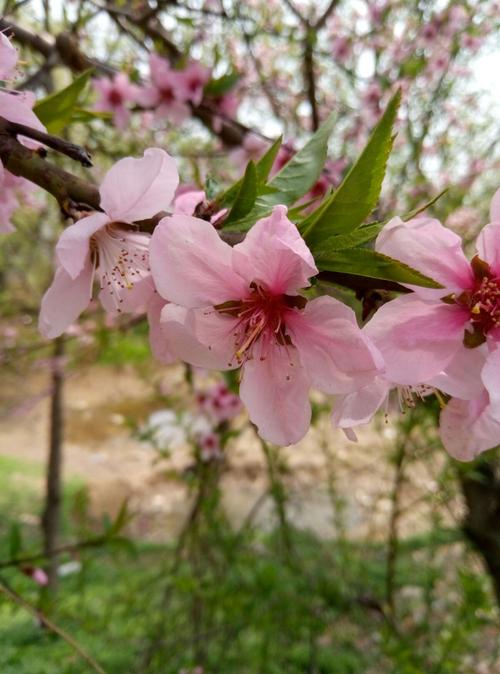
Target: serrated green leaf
pixel 56 111
pixel 358 194
pixel 263 168
pixel 300 173
pixel 420 209
pixel 246 196
pixel 349 240
pixel 365 262
pixel 295 179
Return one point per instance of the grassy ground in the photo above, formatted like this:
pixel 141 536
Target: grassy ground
pixel 245 602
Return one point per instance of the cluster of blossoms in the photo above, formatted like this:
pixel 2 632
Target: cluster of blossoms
pixel 224 308
pixel 15 107
pixel 217 406
pixel 170 92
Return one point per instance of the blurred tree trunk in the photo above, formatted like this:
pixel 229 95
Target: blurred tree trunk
pixel 481 489
pixel 52 511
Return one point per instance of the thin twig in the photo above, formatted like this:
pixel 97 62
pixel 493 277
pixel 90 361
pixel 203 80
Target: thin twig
pixel 20 601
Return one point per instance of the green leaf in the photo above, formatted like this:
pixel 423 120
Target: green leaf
pixel 246 196
pixel 420 209
pixel 300 173
pixel 15 540
pixel 350 240
pixel 263 168
pixel 56 111
pixel 365 262
pixel 358 194
pixel 295 179
pixel 222 85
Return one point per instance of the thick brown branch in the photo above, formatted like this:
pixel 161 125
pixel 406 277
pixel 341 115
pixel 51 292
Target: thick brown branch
pixel 65 187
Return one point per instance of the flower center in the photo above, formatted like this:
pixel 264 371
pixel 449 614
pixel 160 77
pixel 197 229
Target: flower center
pixel 483 302
pixel 167 95
pixel 120 258
pixel 115 97
pixel 261 319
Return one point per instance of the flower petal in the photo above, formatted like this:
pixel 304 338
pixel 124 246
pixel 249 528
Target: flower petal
pixel 424 244
pixel 336 354
pixel 275 391
pixel 417 339
pixel 359 407
pixel 491 379
pixel 274 253
pixel 467 428
pixel 157 340
pixel 462 377
pixel 495 207
pixel 136 189
pixel 198 336
pixel 488 246
pixel 191 265
pixel 72 249
pixel 64 301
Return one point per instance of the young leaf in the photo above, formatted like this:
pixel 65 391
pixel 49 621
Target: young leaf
pixel 262 167
pixel 300 173
pixel 420 209
pixel 56 111
pixel 349 240
pixel 295 179
pixel 365 262
pixel 222 85
pixel 358 194
pixel 246 196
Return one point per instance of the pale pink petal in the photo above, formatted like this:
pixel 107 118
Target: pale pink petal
pixel 72 249
pixel 424 244
pixel 136 189
pixel 15 108
pixel 8 57
pixel 467 428
pixel 275 391
pixel 495 207
pixel 199 336
pixel 491 380
pixel 337 356
pixel 121 117
pixel 359 407
pixel 488 246
pixel 157 340
pixel 417 339
pixel 133 298
pixel 191 265
pixel 275 254
pixel 186 203
pixel 462 377
pixel 64 301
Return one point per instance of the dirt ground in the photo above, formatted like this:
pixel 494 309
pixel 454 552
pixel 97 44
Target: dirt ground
pixel 101 451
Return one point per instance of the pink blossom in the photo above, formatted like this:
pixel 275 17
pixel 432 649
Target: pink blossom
pixel 469 427
pixel 219 403
pixel 358 408
pixel 210 448
pixel 341 49
pixel 166 93
pixel 104 244
pixel 114 95
pixel 226 106
pixel 241 307
pixel 421 333
pixel 252 148
pixel 188 201
pixel 8 58
pixel 192 80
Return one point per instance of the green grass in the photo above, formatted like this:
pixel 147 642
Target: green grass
pixel 246 604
